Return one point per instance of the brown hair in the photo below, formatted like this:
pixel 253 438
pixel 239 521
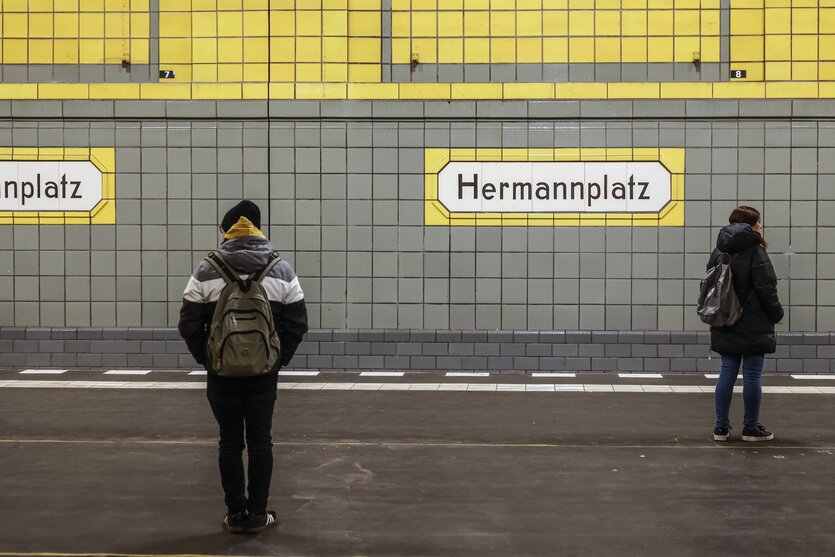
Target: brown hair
pixel 747 215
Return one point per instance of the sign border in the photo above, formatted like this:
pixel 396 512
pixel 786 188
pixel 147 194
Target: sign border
pixel 436 214
pixel 103 158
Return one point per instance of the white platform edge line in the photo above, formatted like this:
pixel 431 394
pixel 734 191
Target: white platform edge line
pixel 431 387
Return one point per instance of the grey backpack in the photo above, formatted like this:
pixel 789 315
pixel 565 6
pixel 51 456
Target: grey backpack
pixel 718 302
pixel 243 340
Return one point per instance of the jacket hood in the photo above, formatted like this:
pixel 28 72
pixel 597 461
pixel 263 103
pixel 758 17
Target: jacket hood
pixel 246 254
pixel 736 237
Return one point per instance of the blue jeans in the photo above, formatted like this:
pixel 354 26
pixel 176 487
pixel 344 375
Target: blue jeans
pixel 752 388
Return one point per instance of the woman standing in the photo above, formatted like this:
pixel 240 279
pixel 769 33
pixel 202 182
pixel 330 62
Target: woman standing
pixel 748 340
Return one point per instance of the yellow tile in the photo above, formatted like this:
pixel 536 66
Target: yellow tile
pixel 63 91
pixel 581 23
pixel 40 25
pixel 256 23
pixel 204 24
pixel 634 49
pixel 282 23
pixel 139 51
pixel 476 24
pixel 282 91
pixel 335 24
pixel 15 25
pixel 450 51
pixel 369 73
pixel 634 23
pixel 373 91
pixel 503 51
pixel 172 51
pixel 827 47
pixel 607 23
pixel 529 24
pixel 308 49
pixel 256 50
pixel 528 90
pixel 308 72
pixel 15 51
pixel 555 50
pixel 334 72
pixel 710 22
pixel 580 90
pixel 711 48
pixel 778 47
pixel 686 22
pixel 660 22
pixel 683 90
pixel 555 23
pixel 476 90
pixel 334 49
pixel 804 47
pixel 165 91
pixel 804 20
pixel 66 51
pixel 739 90
pixel 230 24
pixel 401 51
pixel 401 24
pixel 790 90
pixel 424 24
pixel 528 50
pixel 66 25
pixel 204 50
pixel 607 49
pixel 308 23
pixel 255 91
pixel 282 49
pixel 634 91
pixel 364 24
pixel 827 89
pixel 321 91
pixel 425 50
pixel 114 91
pixel 686 49
pixel 216 91
pixel 580 50
pixel 746 49
pixel 747 21
pixel 18 91
pixel 778 71
pixel 256 72
pixel 230 72
pixel 425 91
pixel 827 20
pixel 171 24
pixel 778 21
pixel 805 71
pixel 204 72
pixel 230 50
pixel 476 51
pixel 40 51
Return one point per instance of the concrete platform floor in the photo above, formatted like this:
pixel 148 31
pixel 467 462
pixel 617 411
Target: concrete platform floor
pixel 86 471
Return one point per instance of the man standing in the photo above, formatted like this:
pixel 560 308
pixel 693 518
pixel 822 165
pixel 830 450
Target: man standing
pixel 243 405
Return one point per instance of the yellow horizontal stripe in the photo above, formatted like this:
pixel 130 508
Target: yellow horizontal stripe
pixel 418 91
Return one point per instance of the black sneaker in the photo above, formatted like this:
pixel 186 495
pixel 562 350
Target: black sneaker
pixel 234 522
pixel 721 433
pixel 758 433
pixel 254 523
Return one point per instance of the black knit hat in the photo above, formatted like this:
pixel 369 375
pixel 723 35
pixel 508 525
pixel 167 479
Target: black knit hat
pixel 245 208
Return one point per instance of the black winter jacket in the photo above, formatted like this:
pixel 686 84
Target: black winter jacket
pixel 755 283
pixel 247 254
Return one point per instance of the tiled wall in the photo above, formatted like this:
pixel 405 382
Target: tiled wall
pixel 556 40
pixel 342 192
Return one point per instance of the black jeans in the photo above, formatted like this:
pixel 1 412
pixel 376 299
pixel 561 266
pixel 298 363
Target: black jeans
pixel 243 408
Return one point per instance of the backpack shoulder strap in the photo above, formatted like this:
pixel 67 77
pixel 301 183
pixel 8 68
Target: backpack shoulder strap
pixel 223 268
pixel 274 258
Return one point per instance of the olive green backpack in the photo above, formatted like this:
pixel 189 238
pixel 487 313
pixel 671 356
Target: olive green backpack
pixel 243 341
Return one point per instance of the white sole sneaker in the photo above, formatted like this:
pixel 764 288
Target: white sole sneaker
pixel 721 437
pixel 755 438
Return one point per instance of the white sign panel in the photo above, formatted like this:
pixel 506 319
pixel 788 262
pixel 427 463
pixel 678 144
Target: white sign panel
pixel 49 185
pixel 554 187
